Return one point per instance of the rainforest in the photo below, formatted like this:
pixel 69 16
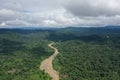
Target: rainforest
pixel 76 53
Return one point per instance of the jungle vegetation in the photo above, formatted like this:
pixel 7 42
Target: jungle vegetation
pixel 84 53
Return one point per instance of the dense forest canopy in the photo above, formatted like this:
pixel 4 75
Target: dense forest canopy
pixel 84 53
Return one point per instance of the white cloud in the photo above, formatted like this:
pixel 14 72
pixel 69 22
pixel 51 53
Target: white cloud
pixel 5 12
pixel 58 13
pixel 2 24
pixel 18 23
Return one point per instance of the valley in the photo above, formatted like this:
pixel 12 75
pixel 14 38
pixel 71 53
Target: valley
pixel 84 54
pixel 47 66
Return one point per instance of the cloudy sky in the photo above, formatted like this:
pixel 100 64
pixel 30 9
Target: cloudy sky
pixel 59 13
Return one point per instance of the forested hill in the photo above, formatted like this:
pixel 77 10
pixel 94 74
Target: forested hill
pixel 85 53
pixel 75 33
pixel 78 31
pixel 69 33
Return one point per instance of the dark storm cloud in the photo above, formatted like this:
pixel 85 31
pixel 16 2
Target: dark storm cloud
pixel 93 7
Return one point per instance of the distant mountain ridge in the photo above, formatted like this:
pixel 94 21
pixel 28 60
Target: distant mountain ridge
pixel 67 30
pixel 44 28
pixel 118 27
